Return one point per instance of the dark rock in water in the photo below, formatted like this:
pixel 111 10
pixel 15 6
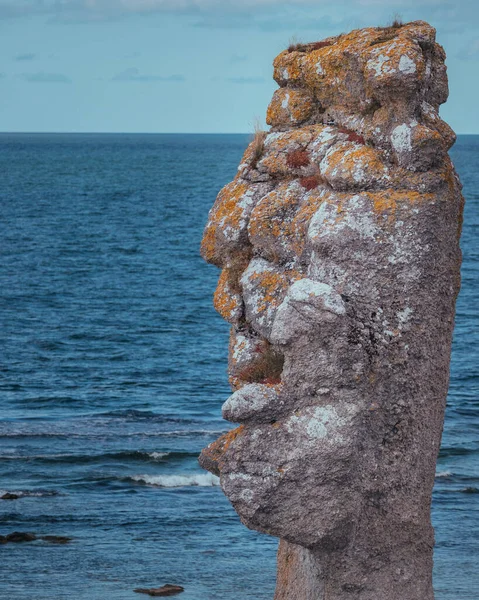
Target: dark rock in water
pixel 19 536
pixel 56 539
pixel 166 590
pixel 10 496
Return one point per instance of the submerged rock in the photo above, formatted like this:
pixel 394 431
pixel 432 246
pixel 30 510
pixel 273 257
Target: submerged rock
pixel 339 244
pixel 10 496
pixel 56 539
pixel 18 536
pixel 166 590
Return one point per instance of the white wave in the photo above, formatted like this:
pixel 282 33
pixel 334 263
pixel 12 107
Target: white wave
pixel 184 432
pixel 443 474
pixel 27 493
pixel 158 455
pixel 172 481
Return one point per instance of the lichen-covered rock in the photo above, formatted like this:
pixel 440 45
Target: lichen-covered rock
pixel 253 401
pixel 227 300
pixel 264 286
pixel 289 107
pixel 226 231
pixel 339 243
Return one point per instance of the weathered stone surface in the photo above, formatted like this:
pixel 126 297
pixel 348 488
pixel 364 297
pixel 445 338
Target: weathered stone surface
pixel 289 107
pixel 341 266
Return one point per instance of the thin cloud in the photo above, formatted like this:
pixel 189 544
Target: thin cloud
pixel 237 58
pixel 266 15
pixel 279 21
pixel 133 74
pixel 97 10
pixel 45 78
pixel 471 52
pixel 28 56
pixel 247 80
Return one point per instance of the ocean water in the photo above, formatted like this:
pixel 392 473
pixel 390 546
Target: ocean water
pixel 113 372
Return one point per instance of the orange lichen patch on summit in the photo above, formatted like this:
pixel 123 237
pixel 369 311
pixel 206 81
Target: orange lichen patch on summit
pixel 329 71
pixel 226 302
pixel 270 224
pixel 351 68
pixel 390 63
pixel 226 221
pixel 350 166
pixel 289 107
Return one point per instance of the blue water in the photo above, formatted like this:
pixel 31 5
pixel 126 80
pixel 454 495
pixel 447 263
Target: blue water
pixel 113 372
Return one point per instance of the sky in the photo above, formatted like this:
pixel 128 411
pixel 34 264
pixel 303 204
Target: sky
pixel 185 66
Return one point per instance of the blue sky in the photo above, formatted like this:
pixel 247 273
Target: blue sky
pixel 191 65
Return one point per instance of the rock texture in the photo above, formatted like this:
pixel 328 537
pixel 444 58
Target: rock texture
pixel 338 242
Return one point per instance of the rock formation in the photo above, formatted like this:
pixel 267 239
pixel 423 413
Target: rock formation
pixel 338 242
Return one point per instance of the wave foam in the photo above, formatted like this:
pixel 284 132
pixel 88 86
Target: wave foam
pixel 158 455
pixel 172 481
pixel 29 493
pixel 443 474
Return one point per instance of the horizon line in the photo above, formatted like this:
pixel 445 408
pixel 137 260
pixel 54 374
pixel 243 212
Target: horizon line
pixel 146 133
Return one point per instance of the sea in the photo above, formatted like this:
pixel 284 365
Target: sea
pixel 113 373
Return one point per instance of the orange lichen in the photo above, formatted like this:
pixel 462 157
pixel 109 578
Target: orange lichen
pixel 387 202
pixel 302 219
pixel 328 68
pixel 273 286
pixel 226 213
pixel 349 164
pixel 289 107
pixel 287 68
pixel 231 436
pixel 213 454
pixel 270 223
pixel 227 303
pixel 310 46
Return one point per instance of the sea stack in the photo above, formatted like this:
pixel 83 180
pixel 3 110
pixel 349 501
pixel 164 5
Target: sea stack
pixel 338 242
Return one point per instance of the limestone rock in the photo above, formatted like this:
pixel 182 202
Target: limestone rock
pixel 339 246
